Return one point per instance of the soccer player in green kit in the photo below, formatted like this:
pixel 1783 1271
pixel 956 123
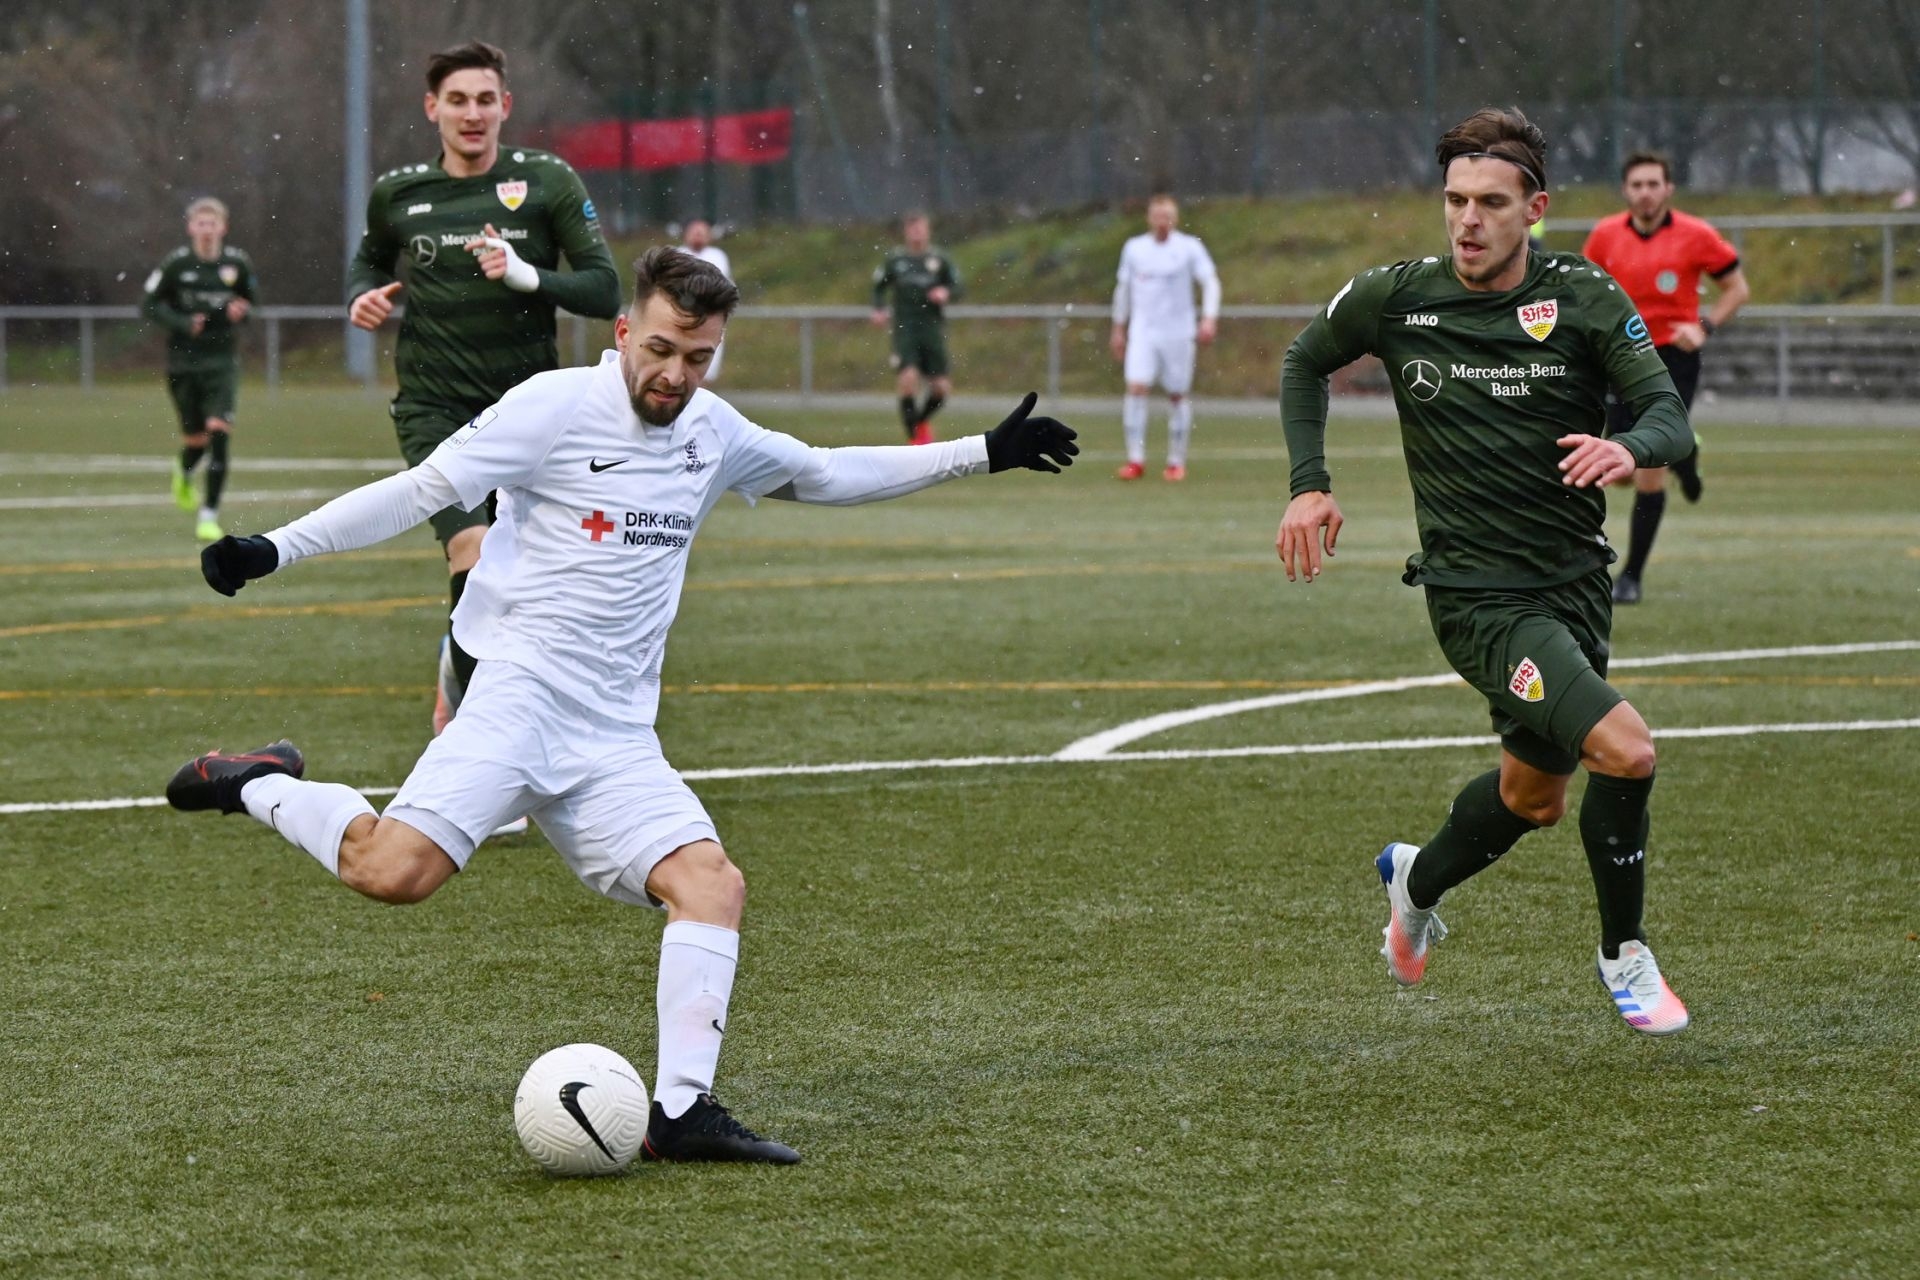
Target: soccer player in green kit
pixel 919 281
pixel 198 294
pixel 482 232
pixel 1500 355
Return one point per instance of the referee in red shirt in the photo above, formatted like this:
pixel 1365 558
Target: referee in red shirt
pixel 1657 254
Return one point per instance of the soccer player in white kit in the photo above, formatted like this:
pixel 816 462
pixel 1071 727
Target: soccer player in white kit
pixel 1154 330
pixel 604 475
pixel 697 239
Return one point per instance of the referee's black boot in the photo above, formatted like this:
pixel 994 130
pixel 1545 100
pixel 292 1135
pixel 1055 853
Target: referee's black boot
pixel 213 781
pixel 707 1131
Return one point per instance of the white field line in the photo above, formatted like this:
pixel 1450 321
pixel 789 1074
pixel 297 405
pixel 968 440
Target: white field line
pixel 90 501
pixel 33 464
pixel 1118 757
pixel 1106 742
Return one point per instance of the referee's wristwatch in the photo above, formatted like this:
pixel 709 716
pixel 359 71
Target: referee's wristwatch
pixel 1707 326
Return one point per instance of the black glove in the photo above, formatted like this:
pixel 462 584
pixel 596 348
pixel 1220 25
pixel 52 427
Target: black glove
pixel 231 562
pixel 1034 443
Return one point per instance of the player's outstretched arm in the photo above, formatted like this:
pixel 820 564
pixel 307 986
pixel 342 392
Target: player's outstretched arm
pixel 372 513
pixel 873 473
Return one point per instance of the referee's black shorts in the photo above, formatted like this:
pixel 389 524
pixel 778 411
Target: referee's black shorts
pixel 1682 366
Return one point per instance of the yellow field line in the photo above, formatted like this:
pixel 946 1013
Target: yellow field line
pixel 214 614
pixel 912 687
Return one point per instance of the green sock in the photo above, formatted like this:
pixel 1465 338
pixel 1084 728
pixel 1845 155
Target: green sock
pixel 1613 827
pixel 1478 829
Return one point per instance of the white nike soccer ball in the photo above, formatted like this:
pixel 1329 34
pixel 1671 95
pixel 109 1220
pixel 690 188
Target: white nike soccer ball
pixel 581 1110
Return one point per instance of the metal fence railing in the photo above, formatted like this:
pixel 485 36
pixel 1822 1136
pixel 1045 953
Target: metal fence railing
pixel 1781 352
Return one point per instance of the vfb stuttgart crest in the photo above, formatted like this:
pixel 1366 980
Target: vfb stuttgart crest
pixel 229 274
pixel 512 194
pixel 1527 684
pixel 1538 318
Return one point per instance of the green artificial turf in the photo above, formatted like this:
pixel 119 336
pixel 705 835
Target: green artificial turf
pixel 1109 1018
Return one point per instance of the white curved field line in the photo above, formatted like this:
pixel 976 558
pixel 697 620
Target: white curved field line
pixel 1103 745
pixel 1083 752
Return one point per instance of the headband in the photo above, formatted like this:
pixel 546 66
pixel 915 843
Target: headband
pixel 1539 183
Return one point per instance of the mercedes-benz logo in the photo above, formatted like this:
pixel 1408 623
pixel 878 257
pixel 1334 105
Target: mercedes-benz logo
pixel 1421 379
pixel 424 249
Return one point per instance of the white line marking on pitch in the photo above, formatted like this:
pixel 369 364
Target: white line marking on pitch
pixel 85 501
pixel 1098 745
pixel 1118 757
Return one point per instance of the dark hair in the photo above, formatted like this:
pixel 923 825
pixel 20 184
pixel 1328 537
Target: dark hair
pixel 1638 158
pixel 694 286
pixel 474 55
pixel 915 215
pixel 1503 133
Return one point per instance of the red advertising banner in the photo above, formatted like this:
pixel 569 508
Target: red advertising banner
pixel 742 137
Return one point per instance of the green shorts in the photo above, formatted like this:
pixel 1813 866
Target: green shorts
pixel 420 432
pixel 1539 657
pixel 203 395
pixel 922 346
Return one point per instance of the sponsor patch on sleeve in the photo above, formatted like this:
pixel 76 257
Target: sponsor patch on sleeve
pixel 472 429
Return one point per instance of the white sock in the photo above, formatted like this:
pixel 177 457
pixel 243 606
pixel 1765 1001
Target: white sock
pixel 1133 420
pixel 1179 431
pixel 696 978
pixel 208 513
pixel 313 815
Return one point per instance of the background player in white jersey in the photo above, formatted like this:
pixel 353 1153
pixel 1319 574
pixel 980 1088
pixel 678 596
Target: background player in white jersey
pixel 1154 330
pixel 604 475
pixel 697 239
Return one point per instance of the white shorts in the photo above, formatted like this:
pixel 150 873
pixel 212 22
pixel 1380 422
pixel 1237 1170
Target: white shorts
pixel 598 788
pixel 1167 361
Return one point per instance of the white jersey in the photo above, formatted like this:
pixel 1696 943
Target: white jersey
pixel 580 576
pixel 1157 278
pixel 714 254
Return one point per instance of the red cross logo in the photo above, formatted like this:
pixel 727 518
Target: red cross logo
pixel 598 523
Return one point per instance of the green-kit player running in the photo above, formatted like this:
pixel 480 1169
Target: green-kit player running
pixel 481 232
pixel 198 293
pixel 913 287
pixel 1500 357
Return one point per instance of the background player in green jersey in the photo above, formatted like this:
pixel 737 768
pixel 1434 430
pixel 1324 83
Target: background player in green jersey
pixel 482 232
pixel 198 293
pixel 1500 356
pixel 917 281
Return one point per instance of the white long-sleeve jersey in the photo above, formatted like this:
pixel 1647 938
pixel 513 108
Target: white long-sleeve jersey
pixel 580 576
pixel 1153 293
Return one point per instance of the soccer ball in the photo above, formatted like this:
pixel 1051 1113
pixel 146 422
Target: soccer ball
pixel 581 1110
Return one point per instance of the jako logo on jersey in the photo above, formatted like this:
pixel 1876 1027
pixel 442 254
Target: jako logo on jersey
pixel 512 194
pixel 1421 379
pixel 1636 328
pixel 1527 684
pixel 695 463
pixel 418 208
pixel 1538 318
pixel 1424 320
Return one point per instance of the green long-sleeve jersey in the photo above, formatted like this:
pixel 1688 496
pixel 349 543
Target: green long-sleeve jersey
pixel 466 340
pixel 904 279
pixel 1485 383
pixel 186 285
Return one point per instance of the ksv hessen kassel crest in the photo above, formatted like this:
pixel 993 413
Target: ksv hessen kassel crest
pixel 512 194
pixel 1538 318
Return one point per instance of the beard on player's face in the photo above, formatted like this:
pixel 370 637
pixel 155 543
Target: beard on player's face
pixel 655 395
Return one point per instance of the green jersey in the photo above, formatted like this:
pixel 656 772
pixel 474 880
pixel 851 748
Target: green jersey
pixel 1485 383
pixel 466 340
pixel 185 285
pixel 904 279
